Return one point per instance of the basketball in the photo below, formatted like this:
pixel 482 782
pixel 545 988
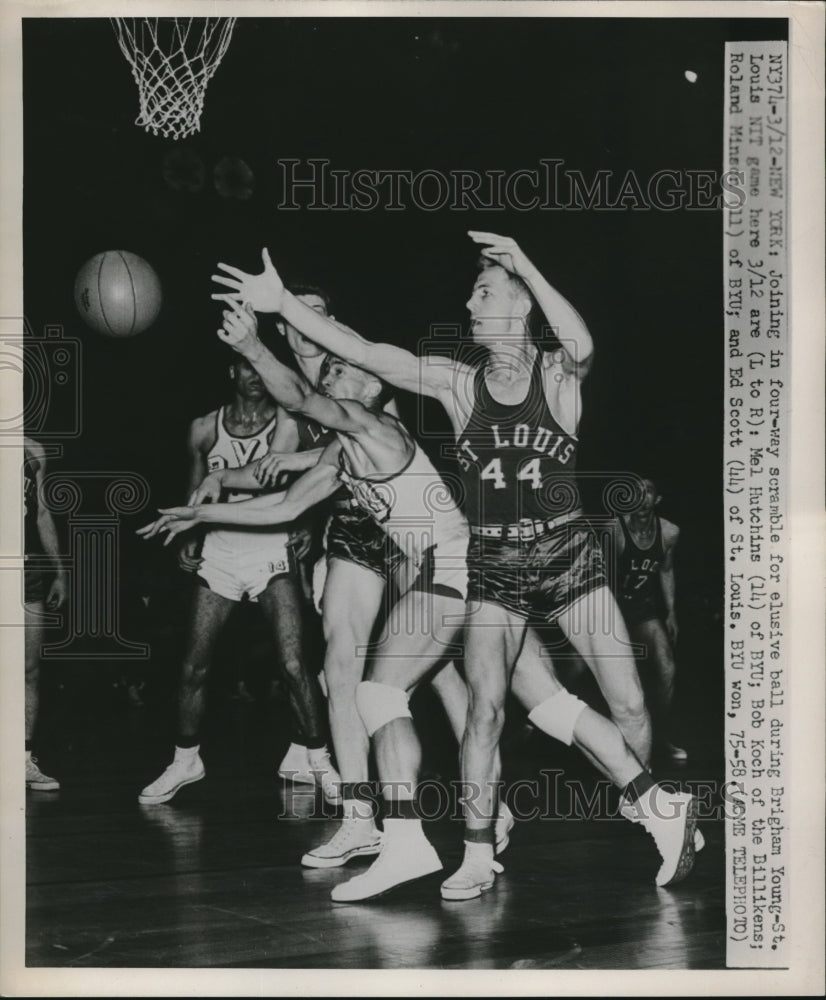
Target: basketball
pixel 118 293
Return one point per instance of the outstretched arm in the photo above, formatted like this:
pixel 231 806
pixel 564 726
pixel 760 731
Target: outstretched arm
pixel 290 390
pixel 568 325
pixel 311 488
pixel 266 293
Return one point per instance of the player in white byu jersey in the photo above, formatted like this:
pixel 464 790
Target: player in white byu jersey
pixel 255 564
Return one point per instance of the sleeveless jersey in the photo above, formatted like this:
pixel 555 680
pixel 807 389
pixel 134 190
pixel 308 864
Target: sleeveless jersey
pixel 638 568
pixel 32 545
pixel 516 461
pixel 413 506
pixel 232 451
pixel 312 435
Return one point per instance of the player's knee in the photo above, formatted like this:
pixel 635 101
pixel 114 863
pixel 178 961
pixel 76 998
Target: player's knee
pixel 629 705
pixel 293 667
pixel 557 716
pixel 486 716
pixel 379 704
pixel 194 673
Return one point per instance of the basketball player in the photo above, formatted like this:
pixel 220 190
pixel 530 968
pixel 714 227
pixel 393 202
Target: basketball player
pixel 391 478
pixel 515 417
pixel 233 565
pixel 44 588
pixel 644 546
pixel 355 578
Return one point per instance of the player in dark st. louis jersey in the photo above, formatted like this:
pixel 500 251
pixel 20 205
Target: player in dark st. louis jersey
pixel 644 545
pixel 541 564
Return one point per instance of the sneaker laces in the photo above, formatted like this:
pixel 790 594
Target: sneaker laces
pixel 345 834
pixel 476 870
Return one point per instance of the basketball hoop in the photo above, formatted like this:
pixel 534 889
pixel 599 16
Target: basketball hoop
pixel 172 59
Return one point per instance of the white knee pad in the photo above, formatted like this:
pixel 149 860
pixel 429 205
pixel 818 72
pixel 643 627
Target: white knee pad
pixel 379 704
pixel 557 716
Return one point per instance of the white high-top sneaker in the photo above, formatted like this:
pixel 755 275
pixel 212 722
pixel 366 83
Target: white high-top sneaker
pixel 671 819
pixel 406 854
pixel 186 768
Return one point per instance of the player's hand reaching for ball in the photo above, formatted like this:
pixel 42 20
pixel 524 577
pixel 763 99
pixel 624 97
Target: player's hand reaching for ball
pixel 263 291
pixel 240 328
pixel 173 521
pixel 504 251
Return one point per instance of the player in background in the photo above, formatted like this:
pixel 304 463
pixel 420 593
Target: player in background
pixel 644 545
pixel 45 587
pixel 532 555
pixel 234 564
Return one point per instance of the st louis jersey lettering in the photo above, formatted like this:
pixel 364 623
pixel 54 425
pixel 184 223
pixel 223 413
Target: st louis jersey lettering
pixel 511 456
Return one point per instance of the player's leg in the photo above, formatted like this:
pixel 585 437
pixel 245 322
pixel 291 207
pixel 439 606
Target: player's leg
pixel 452 692
pixel 351 602
pixel 208 616
pixel 419 632
pixel 661 661
pixel 282 606
pixel 668 816
pixel 595 627
pixel 493 639
pixel 33 611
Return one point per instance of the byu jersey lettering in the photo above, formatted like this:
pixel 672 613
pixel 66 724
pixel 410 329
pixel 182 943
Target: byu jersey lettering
pixel 516 461
pixel 231 451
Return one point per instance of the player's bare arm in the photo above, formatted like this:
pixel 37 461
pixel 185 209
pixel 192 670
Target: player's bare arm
pixel 569 363
pixel 290 390
pixel 47 530
pixel 394 365
pixel 311 488
pixel 670 536
pixel 199 441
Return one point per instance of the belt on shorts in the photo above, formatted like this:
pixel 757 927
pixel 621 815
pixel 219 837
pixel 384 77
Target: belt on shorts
pixel 526 529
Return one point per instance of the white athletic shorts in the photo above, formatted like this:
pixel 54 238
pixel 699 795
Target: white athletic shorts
pixel 236 571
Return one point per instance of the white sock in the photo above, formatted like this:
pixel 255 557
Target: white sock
pixel 318 756
pixel 185 753
pixel 28 755
pixel 475 851
pixel 358 809
pixel 404 830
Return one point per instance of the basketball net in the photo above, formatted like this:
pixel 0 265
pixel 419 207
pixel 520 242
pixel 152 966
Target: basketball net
pixel 172 59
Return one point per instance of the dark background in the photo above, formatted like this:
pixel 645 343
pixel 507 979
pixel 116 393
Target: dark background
pixel 600 94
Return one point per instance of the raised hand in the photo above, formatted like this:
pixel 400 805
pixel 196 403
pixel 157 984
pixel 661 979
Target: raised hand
pixel 263 291
pixel 173 521
pixel 504 251
pixel 240 328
